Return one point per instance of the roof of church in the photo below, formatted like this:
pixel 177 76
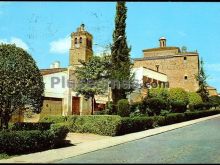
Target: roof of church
pixel 161 48
pixel 51 71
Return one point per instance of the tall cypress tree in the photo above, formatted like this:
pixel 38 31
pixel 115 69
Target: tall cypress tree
pixel 121 63
pixel 202 83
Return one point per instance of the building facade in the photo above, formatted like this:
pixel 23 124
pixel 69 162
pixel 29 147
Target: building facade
pixel 180 66
pixel 164 66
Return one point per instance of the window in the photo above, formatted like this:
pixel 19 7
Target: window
pixel 185 58
pixel 75 40
pixel 80 40
pixel 185 77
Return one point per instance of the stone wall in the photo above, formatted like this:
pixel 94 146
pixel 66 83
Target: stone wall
pixel 176 68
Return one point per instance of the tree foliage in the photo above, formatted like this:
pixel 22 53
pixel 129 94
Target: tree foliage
pixel 201 78
pixel 92 77
pixel 21 83
pixel 120 57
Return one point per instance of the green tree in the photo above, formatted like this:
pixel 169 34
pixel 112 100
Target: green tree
pixel 120 56
pixel 201 78
pixel 92 78
pixel 21 83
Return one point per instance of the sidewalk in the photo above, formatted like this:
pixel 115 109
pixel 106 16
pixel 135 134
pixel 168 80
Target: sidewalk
pixel 84 146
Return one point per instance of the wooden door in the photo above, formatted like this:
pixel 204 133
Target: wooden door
pixel 76 105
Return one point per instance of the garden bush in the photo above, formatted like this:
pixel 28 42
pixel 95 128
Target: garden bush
pixel 109 108
pixel 129 125
pixel 178 97
pixel 21 126
pixel 60 130
pixel 135 106
pixel 18 142
pixel 194 100
pixel 178 106
pixel 203 106
pixel 161 93
pixel 123 108
pixel 155 105
pixel 53 119
pixel 97 124
pixel 28 141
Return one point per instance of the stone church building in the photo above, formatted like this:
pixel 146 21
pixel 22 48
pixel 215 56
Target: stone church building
pixel 163 64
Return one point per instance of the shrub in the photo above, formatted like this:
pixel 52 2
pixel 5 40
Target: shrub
pixel 178 106
pixel 54 119
pixel 203 106
pixel 97 124
pixel 123 108
pixel 214 100
pixel 194 98
pixel 155 106
pixel 129 125
pixel 17 142
pixel 164 112
pixel 161 93
pixel 109 109
pixel 199 114
pixel 21 126
pixel 135 106
pixel 103 112
pixel 60 130
pixel 178 95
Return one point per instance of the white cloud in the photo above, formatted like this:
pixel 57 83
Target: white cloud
pixel 17 41
pixel 60 46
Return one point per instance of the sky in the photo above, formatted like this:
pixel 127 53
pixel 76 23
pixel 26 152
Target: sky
pixel 44 28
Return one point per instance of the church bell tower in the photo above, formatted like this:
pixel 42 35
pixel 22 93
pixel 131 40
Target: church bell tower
pixel 81 46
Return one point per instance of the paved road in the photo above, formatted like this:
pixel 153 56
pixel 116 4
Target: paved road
pixel 197 143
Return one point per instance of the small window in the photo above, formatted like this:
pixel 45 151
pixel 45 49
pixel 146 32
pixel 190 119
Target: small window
pixel 80 40
pixel 185 58
pixel 75 40
pixel 185 77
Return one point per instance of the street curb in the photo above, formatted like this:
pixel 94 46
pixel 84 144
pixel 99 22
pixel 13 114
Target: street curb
pixel 54 155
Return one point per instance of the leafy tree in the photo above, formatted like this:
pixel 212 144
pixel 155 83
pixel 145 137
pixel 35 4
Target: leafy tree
pixel 92 77
pixel 21 83
pixel 120 57
pixel 201 78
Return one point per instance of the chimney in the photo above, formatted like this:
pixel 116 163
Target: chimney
pixel 55 64
pixel 162 42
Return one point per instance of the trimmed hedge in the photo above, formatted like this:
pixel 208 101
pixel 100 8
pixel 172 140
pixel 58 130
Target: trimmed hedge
pixel 18 142
pixel 170 119
pixel 129 125
pixel 23 142
pixel 53 119
pixel 97 124
pixel 21 126
pixel 112 125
